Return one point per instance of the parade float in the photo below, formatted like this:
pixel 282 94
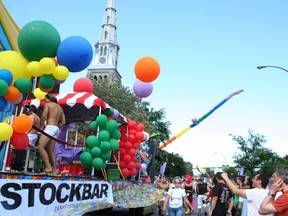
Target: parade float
pixel 100 153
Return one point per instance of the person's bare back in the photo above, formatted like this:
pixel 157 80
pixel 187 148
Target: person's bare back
pixel 54 114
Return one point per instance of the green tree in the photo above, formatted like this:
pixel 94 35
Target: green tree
pixel 253 155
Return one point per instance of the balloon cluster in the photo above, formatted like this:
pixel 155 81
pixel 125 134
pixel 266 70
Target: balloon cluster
pixel 17 132
pixel 99 147
pixel 146 69
pixel 131 137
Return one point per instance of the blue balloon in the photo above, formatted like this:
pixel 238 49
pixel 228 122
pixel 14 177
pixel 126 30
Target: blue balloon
pixel 7 76
pixel 75 53
pixel 3 103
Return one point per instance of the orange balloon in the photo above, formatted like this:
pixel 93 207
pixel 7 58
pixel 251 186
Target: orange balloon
pixel 147 69
pixel 13 94
pixel 55 61
pixel 22 124
pixel 42 89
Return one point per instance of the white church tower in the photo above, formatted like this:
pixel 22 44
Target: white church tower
pixel 105 62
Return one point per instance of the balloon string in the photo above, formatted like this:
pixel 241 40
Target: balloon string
pixel 200 119
pixel 56 139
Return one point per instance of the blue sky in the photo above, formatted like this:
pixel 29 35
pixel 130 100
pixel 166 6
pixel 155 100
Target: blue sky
pixel 206 50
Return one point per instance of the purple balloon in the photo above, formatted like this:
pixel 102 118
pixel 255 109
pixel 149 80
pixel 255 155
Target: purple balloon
pixel 115 114
pixel 142 89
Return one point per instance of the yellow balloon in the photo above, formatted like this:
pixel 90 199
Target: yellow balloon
pixel 34 69
pixel 61 73
pixel 6 131
pixel 7 119
pixel 15 63
pixel 39 94
pixel 47 65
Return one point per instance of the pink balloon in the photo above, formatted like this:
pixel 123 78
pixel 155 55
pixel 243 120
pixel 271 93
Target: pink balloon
pixel 83 85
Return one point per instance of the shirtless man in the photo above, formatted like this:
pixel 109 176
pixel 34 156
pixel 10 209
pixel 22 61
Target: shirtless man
pixel 55 118
pixel 33 133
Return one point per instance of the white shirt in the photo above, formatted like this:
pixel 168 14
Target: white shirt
pixel 176 197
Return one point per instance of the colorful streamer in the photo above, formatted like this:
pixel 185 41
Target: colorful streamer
pixel 196 122
pixel 203 172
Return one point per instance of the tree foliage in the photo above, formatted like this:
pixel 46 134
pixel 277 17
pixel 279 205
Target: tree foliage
pixel 253 155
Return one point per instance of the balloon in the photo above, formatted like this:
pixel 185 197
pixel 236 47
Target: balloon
pixel 132 172
pixel 104 135
pixel 75 53
pixel 142 89
pixel 128 145
pixel 115 114
pixel 93 126
pixel 98 163
pixel 47 65
pixel 109 112
pixel 15 63
pixel 55 61
pixel 101 120
pixel 115 135
pixel 24 85
pixel 138 166
pixel 13 94
pixel 132 124
pixel 43 89
pixel 122 164
pixel 6 76
pixel 22 123
pixel 143 166
pixel 83 85
pixel 3 87
pixel 125 172
pixel 33 69
pixel 61 73
pixel 147 69
pixel 123 151
pixel 127 158
pixel 111 126
pixel 3 103
pixel 106 156
pixel 38 39
pixel 92 141
pixel 131 165
pixel 95 152
pixel 105 146
pixel 85 158
pixel 47 81
pixel 6 131
pixel 114 144
pixel 139 136
pixel 132 152
pixel 39 94
pixel 19 99
pixel 20 141
pixel 59 81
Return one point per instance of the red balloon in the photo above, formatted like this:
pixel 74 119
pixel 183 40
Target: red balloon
pixel 122 164
pixel 132 124
pixel 125 172
pixel 123 138
pixel 20 141
pixel 123 151
pixel 127 158
pixel 139 136
pixel 132 152
pixel 140 127
pixel 132 172
pixel 123 129
pixel 131 165
pixel 133 158
pixel 135 145
pixel 83 85
pixel 137 166
pixel 131 138
pixel 128 145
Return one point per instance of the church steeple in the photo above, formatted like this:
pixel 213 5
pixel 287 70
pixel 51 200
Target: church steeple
pixel 105 62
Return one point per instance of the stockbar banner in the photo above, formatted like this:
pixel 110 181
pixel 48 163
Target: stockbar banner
pixel 53 197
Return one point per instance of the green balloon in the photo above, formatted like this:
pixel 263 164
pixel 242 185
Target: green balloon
pixel 114 144
pixel 101 120
pixel 96 152
pixel 105 146
pixel 109 111
pixel 106 156
pixel 92 141
pixel 86 158
pixel 3 87
pixel 86 149
pixel 24 85
pixel 98 163
pixel 93 126
pixel 38 39
pixel 112 125
pixel 115 135
pixel 103 135
pixel 47 81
